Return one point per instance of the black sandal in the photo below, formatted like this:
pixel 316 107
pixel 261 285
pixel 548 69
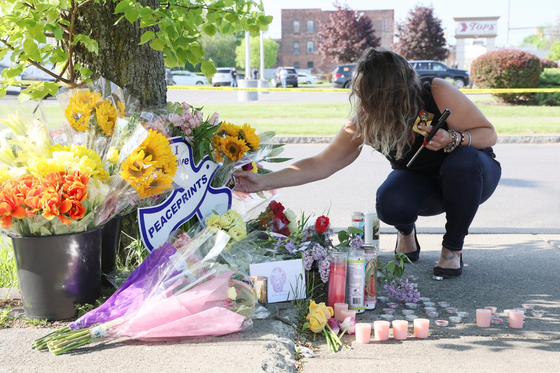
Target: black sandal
pixel 415 255
pixel 449 272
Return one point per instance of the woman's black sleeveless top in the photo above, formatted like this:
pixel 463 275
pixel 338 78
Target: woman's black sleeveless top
pixel 428 161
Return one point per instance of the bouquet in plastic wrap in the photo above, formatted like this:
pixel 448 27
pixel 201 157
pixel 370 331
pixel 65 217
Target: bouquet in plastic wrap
pixel 78 176
pixel 180 290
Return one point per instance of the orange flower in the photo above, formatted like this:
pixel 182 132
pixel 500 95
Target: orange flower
pixel 10 207
pixel 33 200
pixel 55 178
pixel 77 211
pixel 54 206
pixel 75 187
pixel 22 185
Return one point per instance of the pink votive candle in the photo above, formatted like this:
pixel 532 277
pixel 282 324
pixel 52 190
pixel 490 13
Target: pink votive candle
pixel 483 317
pixel 363 332
pixel 400 329
pixel 421 328
pixel 381 330
pixel 338 307
pixel 516 319
pixel 347 313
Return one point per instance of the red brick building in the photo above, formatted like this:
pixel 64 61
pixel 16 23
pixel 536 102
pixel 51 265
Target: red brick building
pixel 299 43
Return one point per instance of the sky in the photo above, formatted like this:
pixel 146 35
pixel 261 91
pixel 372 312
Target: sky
pixel 522 13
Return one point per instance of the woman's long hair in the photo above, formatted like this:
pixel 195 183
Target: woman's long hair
pixel 386 97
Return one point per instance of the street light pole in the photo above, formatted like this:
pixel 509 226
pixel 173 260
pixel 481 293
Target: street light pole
pixel 262 56
pixel 247 55
pixel 509 12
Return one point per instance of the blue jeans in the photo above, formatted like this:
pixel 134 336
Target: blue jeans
pixel 284 84
pixel 466 179
pixel 233 83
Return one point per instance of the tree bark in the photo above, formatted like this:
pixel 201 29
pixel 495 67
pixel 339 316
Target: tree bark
pixel 138 68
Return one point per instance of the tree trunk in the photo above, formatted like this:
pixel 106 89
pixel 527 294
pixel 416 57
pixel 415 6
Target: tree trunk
pixel 138 68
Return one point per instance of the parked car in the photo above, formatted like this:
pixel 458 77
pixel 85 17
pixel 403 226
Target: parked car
pixel 342 76
pixel 292 78
pixel 303 78
pixel 33 73
pixel 184 77
pixel 223 76
pixel 460 78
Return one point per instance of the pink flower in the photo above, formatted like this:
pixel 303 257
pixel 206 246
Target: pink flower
pixel 213 120
pixel 333 323
pixel 181 241
pixel 349 324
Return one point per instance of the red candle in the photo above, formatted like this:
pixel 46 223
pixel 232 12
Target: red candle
pixel 337 278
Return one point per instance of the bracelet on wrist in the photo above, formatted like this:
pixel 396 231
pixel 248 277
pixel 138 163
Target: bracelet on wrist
pixel 454 142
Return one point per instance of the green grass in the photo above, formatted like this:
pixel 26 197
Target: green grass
pixel 325 119
pixel 8 270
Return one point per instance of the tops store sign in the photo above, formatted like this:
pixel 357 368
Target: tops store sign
pixel 196 197
pixel 476 28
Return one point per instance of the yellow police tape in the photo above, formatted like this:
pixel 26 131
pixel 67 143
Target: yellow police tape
pixel 302 90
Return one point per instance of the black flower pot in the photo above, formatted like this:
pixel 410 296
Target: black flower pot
pixel 57 272
pixel 111 238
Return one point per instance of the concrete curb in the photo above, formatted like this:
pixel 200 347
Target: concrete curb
pixel 545 139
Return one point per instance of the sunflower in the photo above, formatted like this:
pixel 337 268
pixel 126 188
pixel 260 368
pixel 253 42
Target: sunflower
pixel 217 145
pixel 106 117
pixel 157 183
pixel 234 148
pixel 136 167
pixel 157 147
pixel 80 108
pixel 229 128
pixel 251 138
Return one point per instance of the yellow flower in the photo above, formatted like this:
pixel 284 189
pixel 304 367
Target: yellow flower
pixel 217 144
pixel 316 322
pixel 80 107
pixel 136 167
pixel 213 220
pixel 229 128
pixel 41 166
pixel 322 308
pixel 226 221
pixel 4 175
pixel 158 182
pixel 251 138
pixel 121 109
pixel 113 155
pixel 234 148
pixel 157 146
pixel 106 117
pixel 237 234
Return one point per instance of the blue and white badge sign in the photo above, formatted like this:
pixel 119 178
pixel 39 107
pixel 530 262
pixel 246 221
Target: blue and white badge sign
pixel 195 197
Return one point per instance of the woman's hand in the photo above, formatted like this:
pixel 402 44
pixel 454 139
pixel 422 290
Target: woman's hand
pixel 440 140
pixel 248 182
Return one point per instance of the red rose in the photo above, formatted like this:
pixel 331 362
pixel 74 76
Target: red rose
pixel 276 207
pixel 321 224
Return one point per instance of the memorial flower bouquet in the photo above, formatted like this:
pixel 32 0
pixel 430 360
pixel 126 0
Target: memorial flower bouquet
pixel 77 177
pixel 320 320
pixel 179 291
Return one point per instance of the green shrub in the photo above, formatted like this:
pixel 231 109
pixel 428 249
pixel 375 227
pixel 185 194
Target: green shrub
pixel 550 78
pixel 507 68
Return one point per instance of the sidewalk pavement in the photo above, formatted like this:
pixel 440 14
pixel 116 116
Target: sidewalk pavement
pixel 501 270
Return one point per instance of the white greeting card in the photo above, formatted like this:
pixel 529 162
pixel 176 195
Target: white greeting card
pixel 286 279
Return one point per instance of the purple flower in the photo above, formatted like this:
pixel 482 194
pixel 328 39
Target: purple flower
pixel 213 120
pixel 324 270
pixel 402 291
pixel 333 323
pixel 356 242
pixel 290 246
pixel 307 260
pixel 319 252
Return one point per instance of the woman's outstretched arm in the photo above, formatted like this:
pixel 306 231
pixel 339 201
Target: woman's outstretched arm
pixel 342 151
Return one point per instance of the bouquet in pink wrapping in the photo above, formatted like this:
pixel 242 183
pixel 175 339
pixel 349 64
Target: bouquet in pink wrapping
pixel 181 291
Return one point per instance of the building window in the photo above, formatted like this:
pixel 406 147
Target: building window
pixel 296 47
pixel 296 27
pixel 296 65
pixel 310 64
pixel 309 27
pixel 309 47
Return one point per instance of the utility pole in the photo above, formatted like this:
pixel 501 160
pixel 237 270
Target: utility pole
pixel 509 12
